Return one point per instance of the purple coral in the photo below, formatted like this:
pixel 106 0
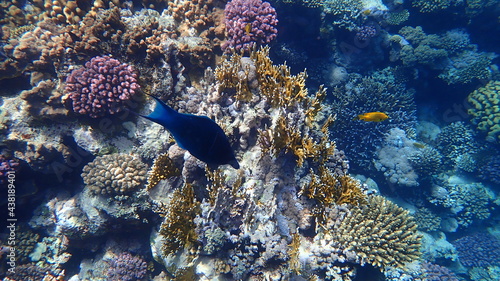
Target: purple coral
pixel 126 267
pixel 249 22
pixel 366 32
pixel 434 272
pixel 480 249
pixel 6 165
pixel 101 87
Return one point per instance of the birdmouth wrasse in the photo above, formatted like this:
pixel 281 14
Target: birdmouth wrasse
pixel 199 135
pixel 372 117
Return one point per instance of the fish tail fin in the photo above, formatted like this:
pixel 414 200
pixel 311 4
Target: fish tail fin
pixel 356 118
pixel 162 113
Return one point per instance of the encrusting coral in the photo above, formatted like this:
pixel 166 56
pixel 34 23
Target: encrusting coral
pixel 380 233
pixel 114 174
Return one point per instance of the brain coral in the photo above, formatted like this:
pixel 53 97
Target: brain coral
pixel 114 174
pixel 101 87
pixel 249 22
pixel 486 111
pixel 380 233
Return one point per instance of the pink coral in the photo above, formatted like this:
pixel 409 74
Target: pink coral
pixel 101 87
pixel 249 22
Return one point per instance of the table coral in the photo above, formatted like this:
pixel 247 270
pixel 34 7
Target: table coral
pixel 249 23
pixel 114 174
pixel 486 111
pixel 102 87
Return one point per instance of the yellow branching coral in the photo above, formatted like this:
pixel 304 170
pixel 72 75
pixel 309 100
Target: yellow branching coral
pixel 283 136
pixel 380 233
pixel 486 111
pixel 178 227
pixel 328 189
pixel 232 75
pixel 277 84
pixel 163 168
pixel 294 253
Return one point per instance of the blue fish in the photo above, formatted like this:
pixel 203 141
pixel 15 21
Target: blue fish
pixel 199 135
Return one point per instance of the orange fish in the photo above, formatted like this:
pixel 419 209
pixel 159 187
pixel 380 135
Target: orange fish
pixel 248 28
pixel 372 117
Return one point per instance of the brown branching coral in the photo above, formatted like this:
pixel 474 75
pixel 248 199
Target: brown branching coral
pixel 276 83
pixel 178 227
pixel 380 233
pixel 163 168
pixel 294 253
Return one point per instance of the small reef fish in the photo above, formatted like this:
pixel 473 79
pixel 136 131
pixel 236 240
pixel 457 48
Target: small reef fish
pixel 248 28
pixel 372 117
pixel 199 135
pixel 418 145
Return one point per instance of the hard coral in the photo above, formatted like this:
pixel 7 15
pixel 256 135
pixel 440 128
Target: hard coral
pixel 249 23
pixel 380 233
pixel 479 249
pixel 485 112
pixel 127 267
pixel 178 227
pixel 103 86
pixel 114 174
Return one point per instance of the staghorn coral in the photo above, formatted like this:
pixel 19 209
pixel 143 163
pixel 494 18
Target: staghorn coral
pixel 485 112
pixel 478 250
pixel 249 24
pixel 163 168
pixel 178 229
pixel 102 87
pixel 127 267
pixel 380 233
pixel 114 174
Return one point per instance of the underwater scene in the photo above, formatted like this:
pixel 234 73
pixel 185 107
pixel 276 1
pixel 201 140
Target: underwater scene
pixel 353 140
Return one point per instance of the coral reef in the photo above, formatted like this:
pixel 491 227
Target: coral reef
pixel 450 53
pixel 478 250
pixel 485 113
pixel 163 168
pixel 249 23
pixel 127 267
pixel 455 140
pixel 114 174
pixel 434 272
pixel 103 86
pixel 379 92
pixel 426 161
pixel 491 169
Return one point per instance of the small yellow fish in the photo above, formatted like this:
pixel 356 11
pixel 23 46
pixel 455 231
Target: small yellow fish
pixel 418 145
pixel 372 117
pixel 248 28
